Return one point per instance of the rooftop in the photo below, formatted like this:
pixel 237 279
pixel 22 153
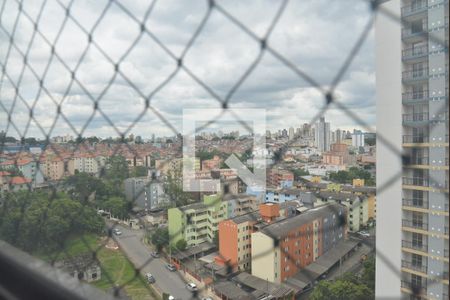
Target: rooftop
pixel 283 227
pixel 337 196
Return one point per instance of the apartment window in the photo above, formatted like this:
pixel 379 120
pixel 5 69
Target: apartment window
pixel 417 219
pixel 416 280
pixel 416 260
pixel 417 239
pixel 417 26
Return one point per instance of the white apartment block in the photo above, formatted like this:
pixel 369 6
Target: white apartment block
pixel 412 115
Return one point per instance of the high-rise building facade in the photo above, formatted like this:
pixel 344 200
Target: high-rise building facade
pixel 322 135
pixel 357 138
pixel 412 119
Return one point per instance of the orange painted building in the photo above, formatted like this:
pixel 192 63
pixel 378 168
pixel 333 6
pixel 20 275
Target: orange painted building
pixel 235 241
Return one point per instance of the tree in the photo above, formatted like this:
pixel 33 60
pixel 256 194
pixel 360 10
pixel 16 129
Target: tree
pixel 174 189
pixel 160 238
pixel 181 245
pixel 139 171
pixel 298 173
pixel 118 206
pixel 341 290
pixel 82 185
pixel 42 222
pixel 116 168
pixel 368 275
pixel 352 173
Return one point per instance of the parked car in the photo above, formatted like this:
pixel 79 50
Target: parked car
pixel 155 254
pixel 150 278
pixel 364 234
pixel 117 231
pixel 171 297
pixel 171 267
pixel 207 298
pixel 191 286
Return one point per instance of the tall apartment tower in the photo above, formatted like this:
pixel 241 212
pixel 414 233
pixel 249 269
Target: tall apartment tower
pixel 412 115
pixel 322 135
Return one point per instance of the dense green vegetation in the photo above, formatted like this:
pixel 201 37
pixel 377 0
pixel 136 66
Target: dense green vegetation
pixel 299 173
pixel 352 173
pixel 42 222
pixel 349 286
pixel 174 189
pixel 160 238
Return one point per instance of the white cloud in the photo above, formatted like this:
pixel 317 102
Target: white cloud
pixel 315 36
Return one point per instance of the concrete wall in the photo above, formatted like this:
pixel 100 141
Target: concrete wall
pixel 389 127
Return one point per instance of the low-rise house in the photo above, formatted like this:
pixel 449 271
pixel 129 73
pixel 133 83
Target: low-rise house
pixel 83 267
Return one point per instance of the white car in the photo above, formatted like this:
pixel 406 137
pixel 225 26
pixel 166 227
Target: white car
pixel 150 278
pixel 191 286
pixel 364 233
pixel 117 231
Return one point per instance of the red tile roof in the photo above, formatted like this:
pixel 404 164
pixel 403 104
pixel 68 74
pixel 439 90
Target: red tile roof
pixel 19 180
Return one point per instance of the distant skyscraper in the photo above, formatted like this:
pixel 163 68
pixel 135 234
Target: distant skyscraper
pixel 322 135
pixel 306 130
pixel 291 133
pixel 284 133
pixel 268 135
pixel 338 136
pixel 357 138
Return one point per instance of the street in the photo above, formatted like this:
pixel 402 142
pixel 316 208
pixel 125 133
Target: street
pixel 169 282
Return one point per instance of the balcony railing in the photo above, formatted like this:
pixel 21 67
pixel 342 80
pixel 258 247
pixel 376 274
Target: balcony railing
pixel 415 224
pixel 413 266
pixel 415 52
pixel 415 181
pixel 420 161
pixel 418 288
pixel 420 203
pixel 417 117
pixel 415 139
pixel 415 8
pixel 415 246
pixel 409 32
pixel 421 96
pixel 414 75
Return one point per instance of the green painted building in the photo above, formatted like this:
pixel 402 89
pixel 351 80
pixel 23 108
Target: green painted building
pixel 197 223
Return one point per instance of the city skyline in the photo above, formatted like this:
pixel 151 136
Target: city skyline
pixel 271 86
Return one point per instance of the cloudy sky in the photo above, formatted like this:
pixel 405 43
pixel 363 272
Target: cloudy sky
pixel 314 35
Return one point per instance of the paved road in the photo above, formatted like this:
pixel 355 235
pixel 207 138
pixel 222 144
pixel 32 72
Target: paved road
pixel 138 253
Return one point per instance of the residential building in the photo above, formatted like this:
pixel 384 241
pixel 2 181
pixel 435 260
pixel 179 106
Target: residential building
pixel 279 178
pixel 89 163
pixel 412 140
pixel 357 138
pixel 197 223
pixel 145 193
pixel 322 135
pixel 281 195
pixel 211 164
pixel 338 155
pixel 56 168
pixel 280 249
pixel 235 233
pixel 235 240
